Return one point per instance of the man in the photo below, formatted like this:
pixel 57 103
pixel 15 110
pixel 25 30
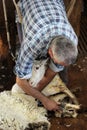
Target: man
pixel 46 32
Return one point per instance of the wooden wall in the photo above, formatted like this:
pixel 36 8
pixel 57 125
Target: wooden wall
pixel 75 15
pixel 11 21
pixel 5 56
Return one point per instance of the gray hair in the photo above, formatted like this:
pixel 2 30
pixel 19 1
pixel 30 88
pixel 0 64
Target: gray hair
pixel 65 50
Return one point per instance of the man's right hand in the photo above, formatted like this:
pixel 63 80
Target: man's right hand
pixel 50 105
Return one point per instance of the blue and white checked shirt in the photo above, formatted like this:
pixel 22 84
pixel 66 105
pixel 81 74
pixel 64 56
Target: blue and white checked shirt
pixel 42 21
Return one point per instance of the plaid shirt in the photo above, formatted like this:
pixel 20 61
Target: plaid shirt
pixel 42 21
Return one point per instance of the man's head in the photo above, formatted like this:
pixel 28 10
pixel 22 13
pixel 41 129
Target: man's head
pixel 63 51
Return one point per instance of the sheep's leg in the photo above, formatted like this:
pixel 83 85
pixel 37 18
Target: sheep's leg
pixel 17 89
pixel 69 93
pixel 73 106
pixel 64 77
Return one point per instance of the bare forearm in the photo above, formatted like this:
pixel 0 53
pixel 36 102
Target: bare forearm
pixel 30 90
pixel 46 79
pixel 48 104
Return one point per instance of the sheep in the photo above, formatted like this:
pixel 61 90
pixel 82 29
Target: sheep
pixel 38 71
pixel 20 112
pixel 56 86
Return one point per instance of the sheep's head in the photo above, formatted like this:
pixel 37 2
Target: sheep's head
pixel 38 71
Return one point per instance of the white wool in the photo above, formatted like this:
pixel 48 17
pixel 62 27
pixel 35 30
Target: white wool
pixel 18 110
pixel 17 89
pixel 54 86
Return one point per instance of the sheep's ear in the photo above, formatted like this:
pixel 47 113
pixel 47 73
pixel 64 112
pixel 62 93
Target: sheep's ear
pixel 35 61
pixel 46 60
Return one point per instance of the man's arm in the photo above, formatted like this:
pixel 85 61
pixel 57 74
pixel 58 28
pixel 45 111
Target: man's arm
pixel 46 79
pixel 24 84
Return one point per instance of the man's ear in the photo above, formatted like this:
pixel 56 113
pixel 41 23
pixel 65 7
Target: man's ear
pixel 50 52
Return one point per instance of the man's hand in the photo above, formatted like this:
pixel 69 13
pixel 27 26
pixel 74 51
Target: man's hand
pixel 35 92
pixel 50 105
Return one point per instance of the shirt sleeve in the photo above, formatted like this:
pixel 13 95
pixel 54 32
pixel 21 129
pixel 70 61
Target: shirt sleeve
pixel 24 63
pixel 55 67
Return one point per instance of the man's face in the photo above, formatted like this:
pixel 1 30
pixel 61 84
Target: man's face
pixel 55 58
